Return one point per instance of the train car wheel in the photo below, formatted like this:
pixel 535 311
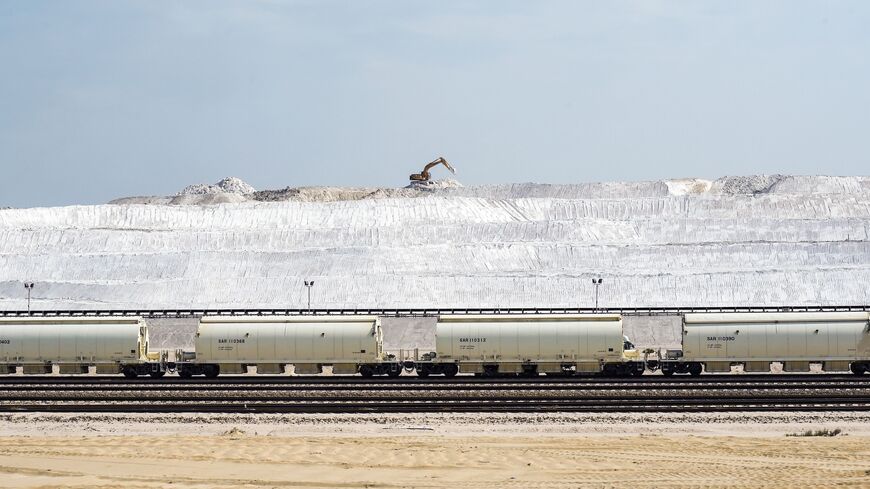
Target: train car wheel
pixel 858 368
pixel 158 375
pixel 394 372
pixel 695 369
pixel 490 370
pixel 211 371
pixel 422 372
pixel 185 374
pixel 366 371
pixel 130 372
pixel 451 370
pixel 667 372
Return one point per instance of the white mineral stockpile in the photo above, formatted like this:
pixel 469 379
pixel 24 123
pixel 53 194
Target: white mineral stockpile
pixel 229 185
pixel 765 240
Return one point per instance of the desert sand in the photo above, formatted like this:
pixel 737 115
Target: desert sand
pixel 240 460
pixel 474 451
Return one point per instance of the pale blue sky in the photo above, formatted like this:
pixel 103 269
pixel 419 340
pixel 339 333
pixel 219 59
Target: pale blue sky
pixel 102 99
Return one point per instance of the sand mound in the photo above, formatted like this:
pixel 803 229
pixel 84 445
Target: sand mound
pixel 229 185
pixel 235 433
pixel 746 185
pixel 687 186
pixel 234 190
pixel 435 184
pixel 312 194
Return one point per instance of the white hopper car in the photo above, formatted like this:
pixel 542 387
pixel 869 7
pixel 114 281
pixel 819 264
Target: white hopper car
pixel 560 344
pixel 350 344
pixel 110 345
pixel 839 341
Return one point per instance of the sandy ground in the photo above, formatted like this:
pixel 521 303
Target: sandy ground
pixel 474 451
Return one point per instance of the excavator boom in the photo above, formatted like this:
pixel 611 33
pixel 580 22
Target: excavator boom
pixel 425 176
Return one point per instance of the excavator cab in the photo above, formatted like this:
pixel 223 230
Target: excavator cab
pixel 425 176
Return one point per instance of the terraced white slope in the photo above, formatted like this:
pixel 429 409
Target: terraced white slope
pixel 794 240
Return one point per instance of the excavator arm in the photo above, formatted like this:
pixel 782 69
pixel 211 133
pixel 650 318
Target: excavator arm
pixel 425 176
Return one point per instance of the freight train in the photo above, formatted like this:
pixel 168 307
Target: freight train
pixel 554 344
pixel 349 344
pixel 836 341
pixel 485 345
pixel 77 345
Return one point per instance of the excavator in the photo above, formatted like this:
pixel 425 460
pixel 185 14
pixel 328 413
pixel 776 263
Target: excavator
pixel 424 176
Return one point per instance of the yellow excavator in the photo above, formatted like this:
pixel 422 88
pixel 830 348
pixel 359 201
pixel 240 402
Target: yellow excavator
pixel 424 176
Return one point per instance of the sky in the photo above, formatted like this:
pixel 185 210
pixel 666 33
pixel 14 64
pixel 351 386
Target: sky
pixel 106 99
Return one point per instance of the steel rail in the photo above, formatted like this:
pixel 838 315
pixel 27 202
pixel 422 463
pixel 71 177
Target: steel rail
pixel 621 405
pixel 435 379
pixel 802 395
pixel 427 386
pixel 425 311
pixel 400 397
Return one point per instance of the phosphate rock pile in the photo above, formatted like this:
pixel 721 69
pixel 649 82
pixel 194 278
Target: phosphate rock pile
pixel 229 185
pixel 765 240
pixel 228 190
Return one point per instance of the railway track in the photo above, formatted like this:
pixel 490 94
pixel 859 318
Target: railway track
pixel 429 385
pixel 794 378
pixel 243 394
